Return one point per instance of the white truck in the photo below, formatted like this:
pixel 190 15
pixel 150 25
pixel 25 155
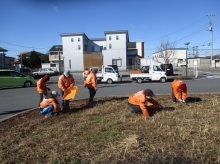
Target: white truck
pixel 148 73
pixel 108 74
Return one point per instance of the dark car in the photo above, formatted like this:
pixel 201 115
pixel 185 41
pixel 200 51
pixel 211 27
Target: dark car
pixel 168 68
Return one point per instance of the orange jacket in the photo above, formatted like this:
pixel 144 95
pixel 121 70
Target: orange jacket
pixel 140 99
pixel 91 81
pixel 176 89
pixel 50 101
pixel 41 86
pixel 66 82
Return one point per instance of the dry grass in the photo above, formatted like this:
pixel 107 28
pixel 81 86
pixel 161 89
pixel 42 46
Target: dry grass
pixel 108 133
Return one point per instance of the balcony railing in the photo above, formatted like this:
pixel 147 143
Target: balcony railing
pixel 55 57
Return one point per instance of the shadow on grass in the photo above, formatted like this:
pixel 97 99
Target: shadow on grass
pixel 193 99
pixel 152 112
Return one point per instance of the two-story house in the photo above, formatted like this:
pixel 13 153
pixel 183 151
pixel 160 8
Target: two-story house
pixel 80 52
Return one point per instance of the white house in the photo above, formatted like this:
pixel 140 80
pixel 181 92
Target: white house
pixel 114 49
pixel 176 56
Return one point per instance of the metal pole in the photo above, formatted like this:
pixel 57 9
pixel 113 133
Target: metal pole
pixel 187 43
pixel 59 61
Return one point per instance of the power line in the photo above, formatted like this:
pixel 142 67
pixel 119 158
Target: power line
pixel 23 46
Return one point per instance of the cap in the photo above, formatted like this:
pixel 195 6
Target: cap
pixel 66 73
pixel 149 92
pixel 54 93
pixel 94 70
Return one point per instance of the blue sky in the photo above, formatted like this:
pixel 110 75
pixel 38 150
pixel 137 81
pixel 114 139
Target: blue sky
pixel 37 24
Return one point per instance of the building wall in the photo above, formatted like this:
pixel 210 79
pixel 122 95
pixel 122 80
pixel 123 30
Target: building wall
pixel 176 57
pixel 76 60
pixel 73 57
pixel 199 63
pixel 117 52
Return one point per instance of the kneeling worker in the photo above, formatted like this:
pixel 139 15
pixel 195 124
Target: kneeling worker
pixel 49 105
pixel 140 101
pixel 179 91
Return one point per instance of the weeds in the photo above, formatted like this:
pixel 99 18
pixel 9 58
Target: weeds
pixel 108 133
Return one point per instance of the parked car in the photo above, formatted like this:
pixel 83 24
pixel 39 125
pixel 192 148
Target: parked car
pixel 169 69
pixel 11 78
pixel 26 71
pixel 44 71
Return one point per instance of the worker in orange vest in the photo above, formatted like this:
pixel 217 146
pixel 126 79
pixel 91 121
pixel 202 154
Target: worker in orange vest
pixel 91 84
pixel 65 81
pixel 42 88
pixel 141 101
pixel 179 91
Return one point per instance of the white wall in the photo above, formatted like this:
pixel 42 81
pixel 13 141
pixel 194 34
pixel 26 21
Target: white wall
pixel 73 58
pixel 118 50
pixel 174 59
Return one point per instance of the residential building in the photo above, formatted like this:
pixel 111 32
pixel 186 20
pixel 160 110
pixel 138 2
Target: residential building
pixel 175 56
pixel 56 58
pixel 80 52
pixel 199 62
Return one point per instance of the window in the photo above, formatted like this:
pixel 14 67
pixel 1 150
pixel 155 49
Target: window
pixel 110 38
pixel 72 40
pixel 78 39
pixel 52 65
pixel 79 47
pixel 180 60
pixel 109 70
pixel 70 64
pixel 110 46
pixel 117 37
pixel 156 68
pixel 117 62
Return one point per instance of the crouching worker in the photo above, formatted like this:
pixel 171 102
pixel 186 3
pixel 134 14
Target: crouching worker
pixel 179 91
pixel 141 101
pixel 49 106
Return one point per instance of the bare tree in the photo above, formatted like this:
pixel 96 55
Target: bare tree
pixel 166 51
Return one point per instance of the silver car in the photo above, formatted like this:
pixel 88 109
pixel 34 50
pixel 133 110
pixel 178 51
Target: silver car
pixel 44 71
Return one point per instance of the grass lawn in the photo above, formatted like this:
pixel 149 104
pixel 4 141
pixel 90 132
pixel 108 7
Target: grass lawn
pixel 108 133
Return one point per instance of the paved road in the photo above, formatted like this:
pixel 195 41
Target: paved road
pixel 17 100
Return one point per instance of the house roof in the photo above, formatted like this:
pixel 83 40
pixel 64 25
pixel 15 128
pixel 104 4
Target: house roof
pixel 98 39
pixel 3 50
pixel 56 48
pixel 29 53
pixel 73 34
pixel 116 32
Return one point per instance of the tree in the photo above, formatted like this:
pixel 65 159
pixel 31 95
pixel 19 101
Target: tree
pixel 166 51
pixel 32 59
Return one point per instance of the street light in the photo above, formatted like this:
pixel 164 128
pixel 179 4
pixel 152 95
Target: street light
pixel 58 49
pixel 186 44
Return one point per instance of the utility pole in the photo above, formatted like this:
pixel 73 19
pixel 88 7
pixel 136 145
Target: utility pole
pixel 186 44
pixel 211 30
